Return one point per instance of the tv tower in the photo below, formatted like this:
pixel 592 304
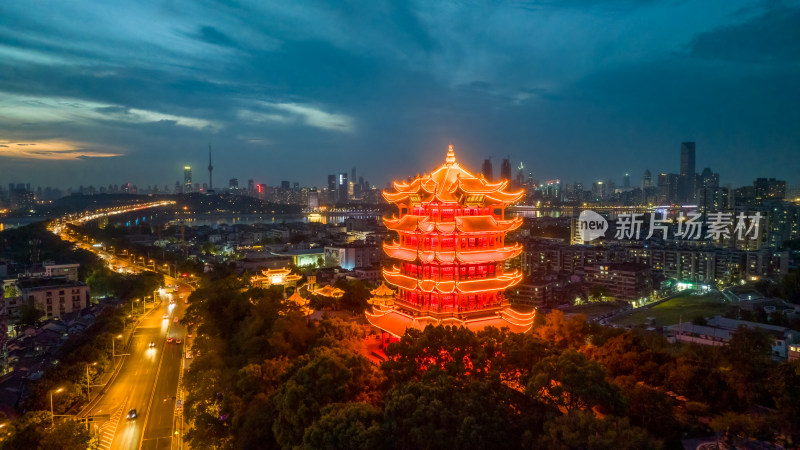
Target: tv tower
pixel 210 169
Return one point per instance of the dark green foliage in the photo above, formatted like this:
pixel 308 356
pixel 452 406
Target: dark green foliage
pixel 269 378
pixel 346 426
pixel 448 413
pixel 570 381
pixel 581 430
pixel 328 375
pixel 639 354
pixel 32 431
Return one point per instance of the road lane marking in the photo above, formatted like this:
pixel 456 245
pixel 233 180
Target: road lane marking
pixel 152 394
pixel 109 429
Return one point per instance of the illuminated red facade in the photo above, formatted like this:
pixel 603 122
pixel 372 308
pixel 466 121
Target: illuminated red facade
pixel 450 253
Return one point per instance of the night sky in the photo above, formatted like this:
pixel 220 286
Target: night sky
pixel 99 92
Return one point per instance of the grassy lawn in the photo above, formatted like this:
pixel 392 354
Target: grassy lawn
pixel 593 309
pixel 685 307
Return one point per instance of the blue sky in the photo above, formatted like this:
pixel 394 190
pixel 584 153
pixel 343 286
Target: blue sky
pixel 113 92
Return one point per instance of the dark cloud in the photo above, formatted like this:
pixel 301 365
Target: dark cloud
pixel 576 90
pixel 771 37
pixel 211 35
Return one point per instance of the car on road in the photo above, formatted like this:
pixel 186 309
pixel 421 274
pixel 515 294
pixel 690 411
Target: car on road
pixel 170 339
pixel 132 414
pixel 177 341
pixel 152 344
pixel 165 316
pixel 188 355
pixel 175 320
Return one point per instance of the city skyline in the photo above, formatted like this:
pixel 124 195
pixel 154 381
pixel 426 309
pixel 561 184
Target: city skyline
pixel 580 92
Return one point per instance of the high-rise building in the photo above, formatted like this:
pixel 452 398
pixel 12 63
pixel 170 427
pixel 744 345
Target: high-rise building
pixel 688 175
pixel 343 186
pixel 251 187
pixel 708 179
pixel 626 181
pixel 313 199
pixel 769 189
pixel 187 180
pixel 450 255
pixel 486 170
pixel 505 169
pixel 332 191
pixel 668 188
pixel 713 198
pixel 647 180
pixel 520 176
pixel 233 183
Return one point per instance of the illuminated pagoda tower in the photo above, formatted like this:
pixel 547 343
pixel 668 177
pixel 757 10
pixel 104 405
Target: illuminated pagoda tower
pixel 450 254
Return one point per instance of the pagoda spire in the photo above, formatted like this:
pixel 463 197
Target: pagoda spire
pixel 451 155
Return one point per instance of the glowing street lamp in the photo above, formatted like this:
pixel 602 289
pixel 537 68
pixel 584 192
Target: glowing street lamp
pixel 88 385
pixel 52 414
pixel 113 351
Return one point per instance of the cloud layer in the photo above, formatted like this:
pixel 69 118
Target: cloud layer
pixel 575 90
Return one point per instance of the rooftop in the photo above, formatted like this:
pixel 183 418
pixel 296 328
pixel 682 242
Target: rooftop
pixel 52 282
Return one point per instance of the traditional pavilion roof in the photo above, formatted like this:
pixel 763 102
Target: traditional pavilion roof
pixel 382 290
pixel 286 273
pixel 329 291
pixel 499 283
pixel 297 299
pixel 397 251
pixel 396 322
pixel 466 224
pixel 450 183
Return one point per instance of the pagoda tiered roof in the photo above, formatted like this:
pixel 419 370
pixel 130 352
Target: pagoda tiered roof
pixel 498 283
pixel 297 299
pixel 397 251
pixel 450 183
pixel 396 321
pixel 465 224
pixel 454 215
pixel 382 290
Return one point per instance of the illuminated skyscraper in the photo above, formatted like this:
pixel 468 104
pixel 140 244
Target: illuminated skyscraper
pixel 187 180
pixel 450 254
pixel 343 186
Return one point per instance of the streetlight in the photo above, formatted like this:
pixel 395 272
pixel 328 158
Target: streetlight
pixel 88 386
pixel 52 414
pixel 113 351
